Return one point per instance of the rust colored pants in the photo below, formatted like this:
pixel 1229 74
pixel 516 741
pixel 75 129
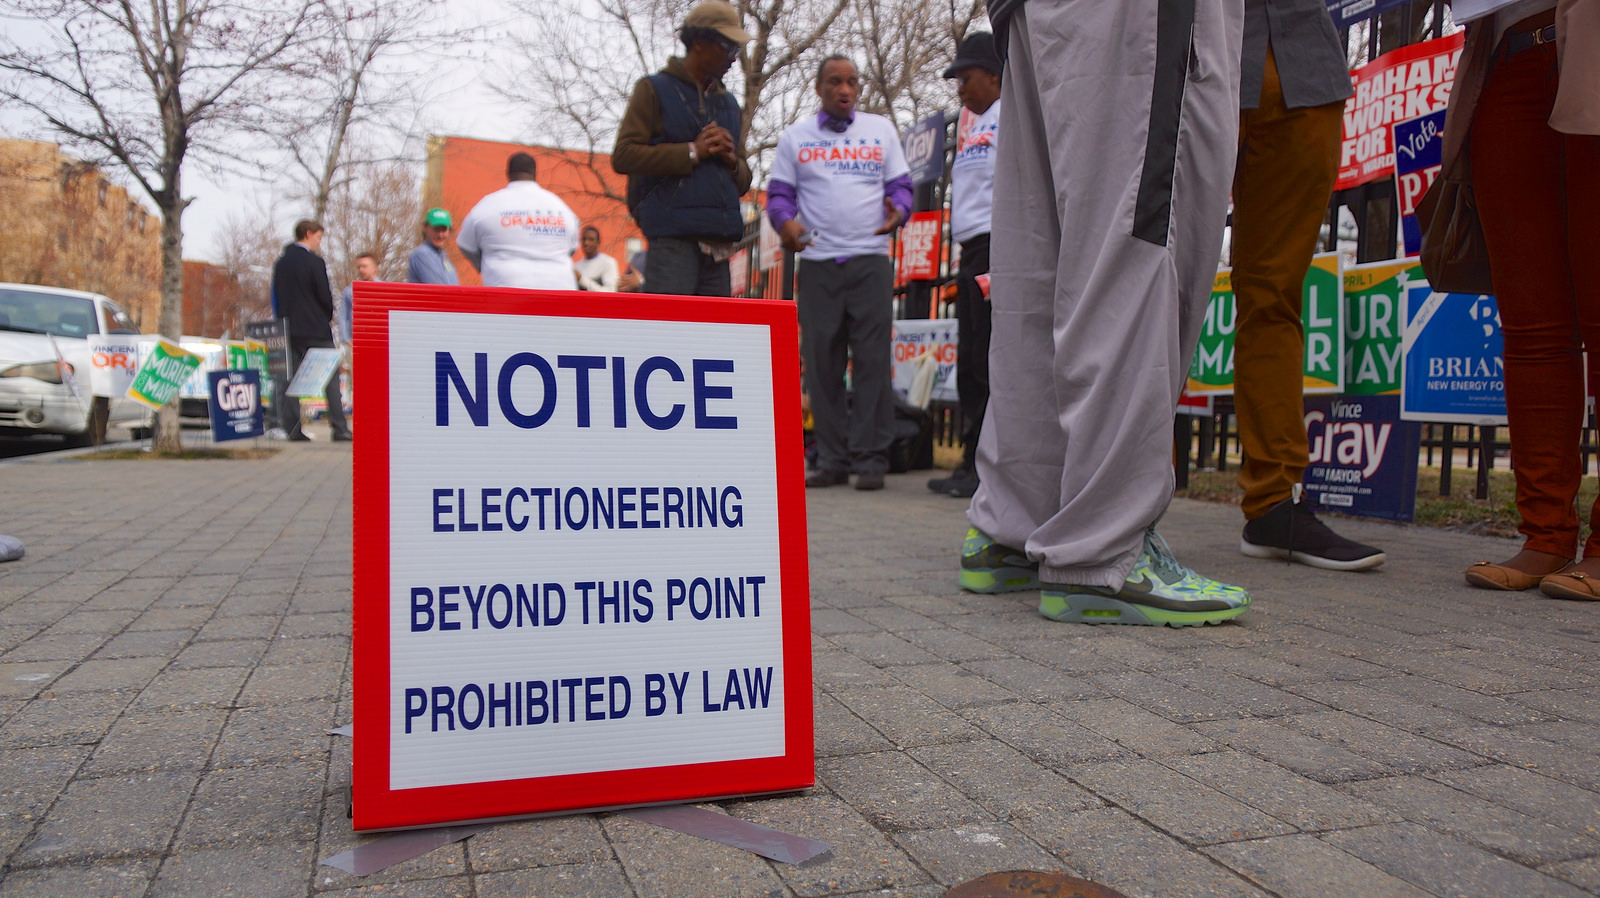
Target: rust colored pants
pixel 1288 159
pixel 1538 193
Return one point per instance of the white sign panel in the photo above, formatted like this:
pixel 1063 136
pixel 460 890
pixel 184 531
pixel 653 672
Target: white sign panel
pixel 113 360
pixel 573 587
pixel 916 337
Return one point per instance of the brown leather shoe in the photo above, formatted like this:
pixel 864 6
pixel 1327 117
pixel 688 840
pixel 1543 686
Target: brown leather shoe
pixel 1521 571
pixel 1571 585
pixel 1488 575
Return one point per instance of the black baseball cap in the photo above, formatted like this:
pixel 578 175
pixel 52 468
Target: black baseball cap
pixel 977 51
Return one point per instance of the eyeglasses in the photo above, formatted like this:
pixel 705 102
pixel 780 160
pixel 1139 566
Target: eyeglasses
pixel 729 47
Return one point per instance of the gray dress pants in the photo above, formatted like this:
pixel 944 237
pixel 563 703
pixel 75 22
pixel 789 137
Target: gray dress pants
pixel 1117 150
pixel 846 318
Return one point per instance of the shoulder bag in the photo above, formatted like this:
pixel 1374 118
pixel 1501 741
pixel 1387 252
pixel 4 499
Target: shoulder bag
pixel 1454 254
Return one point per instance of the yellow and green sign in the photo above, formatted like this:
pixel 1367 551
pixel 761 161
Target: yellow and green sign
pixel 247 355
pixel 1322 312
pixel 1374 325
pixel 163 371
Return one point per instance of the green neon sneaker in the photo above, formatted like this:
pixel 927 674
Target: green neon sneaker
pixel 1159 592
pixel 988 567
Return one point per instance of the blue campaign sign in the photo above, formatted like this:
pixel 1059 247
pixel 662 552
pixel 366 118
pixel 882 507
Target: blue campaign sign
pixel 235 405
pixel 1347 12
pixel 1454 358
pixel 1363 458
pixel 924 143
pixel 1418 151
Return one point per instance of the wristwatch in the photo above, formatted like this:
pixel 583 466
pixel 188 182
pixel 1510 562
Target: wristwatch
pixel 694 157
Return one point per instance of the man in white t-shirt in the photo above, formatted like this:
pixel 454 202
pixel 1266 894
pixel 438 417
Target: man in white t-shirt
pixel 977 72
pixel 840 185
pixel 596 271
pixel 522 235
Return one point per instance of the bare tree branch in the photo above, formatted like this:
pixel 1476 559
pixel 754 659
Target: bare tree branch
pixel 225 56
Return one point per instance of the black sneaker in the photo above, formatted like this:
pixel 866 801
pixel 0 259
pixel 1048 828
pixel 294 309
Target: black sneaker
pixel 961 483
pixel 869 480
pixel 943 484
pixel 1291 530
pixel 823 477
pixel 962 487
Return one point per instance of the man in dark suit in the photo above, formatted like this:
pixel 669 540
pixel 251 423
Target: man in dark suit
pixel 301 295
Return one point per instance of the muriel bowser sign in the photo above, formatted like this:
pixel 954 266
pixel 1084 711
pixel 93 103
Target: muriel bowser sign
pixel 580 553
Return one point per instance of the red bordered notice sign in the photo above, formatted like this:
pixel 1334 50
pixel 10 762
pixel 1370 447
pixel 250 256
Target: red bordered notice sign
pixel 580 553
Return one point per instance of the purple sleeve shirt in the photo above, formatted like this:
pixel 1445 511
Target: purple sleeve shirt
pixel 899 192
pixel 783 203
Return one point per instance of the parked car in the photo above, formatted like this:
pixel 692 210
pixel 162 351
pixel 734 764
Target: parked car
pixel 35 396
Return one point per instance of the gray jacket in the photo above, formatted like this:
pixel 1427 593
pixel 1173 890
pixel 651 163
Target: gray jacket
pixel 1310 57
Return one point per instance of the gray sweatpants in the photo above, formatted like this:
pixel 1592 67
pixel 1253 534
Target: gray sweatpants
pixel 846 320
pixel 1117 150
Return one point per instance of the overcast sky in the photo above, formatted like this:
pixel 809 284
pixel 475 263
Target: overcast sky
pixel 461 104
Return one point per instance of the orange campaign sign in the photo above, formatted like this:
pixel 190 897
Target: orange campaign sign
pixel 1399 85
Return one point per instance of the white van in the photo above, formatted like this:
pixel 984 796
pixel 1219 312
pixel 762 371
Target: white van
pixel 35 396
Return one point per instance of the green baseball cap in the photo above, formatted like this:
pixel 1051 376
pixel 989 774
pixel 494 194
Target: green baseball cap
pixel 437 218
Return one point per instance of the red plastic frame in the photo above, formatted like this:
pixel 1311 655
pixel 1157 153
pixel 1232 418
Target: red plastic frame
pixel 375 805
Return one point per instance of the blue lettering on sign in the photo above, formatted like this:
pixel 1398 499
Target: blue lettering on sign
pixel 508 406
pixel 641 395
pixel 576 700
pixel 517 508
pixel 519 406
pixel 756 688
pixel 501 606
pixel 446 374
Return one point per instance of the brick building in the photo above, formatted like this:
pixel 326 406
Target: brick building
pixel 69 226
pixel 213 301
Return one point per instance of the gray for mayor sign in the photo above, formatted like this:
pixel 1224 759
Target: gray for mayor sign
pixel 924 144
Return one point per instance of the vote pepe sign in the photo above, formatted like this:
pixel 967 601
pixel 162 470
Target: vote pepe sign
pixel 1321 314
pixel 580 553
pixel 1418 151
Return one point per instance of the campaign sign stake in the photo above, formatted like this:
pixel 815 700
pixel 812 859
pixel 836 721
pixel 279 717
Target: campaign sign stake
pixel 580 554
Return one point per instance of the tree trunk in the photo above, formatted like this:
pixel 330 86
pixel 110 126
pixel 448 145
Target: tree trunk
pixel 168 438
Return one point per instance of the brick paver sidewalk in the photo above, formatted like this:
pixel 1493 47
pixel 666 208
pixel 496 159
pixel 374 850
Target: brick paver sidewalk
pixel 176 642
